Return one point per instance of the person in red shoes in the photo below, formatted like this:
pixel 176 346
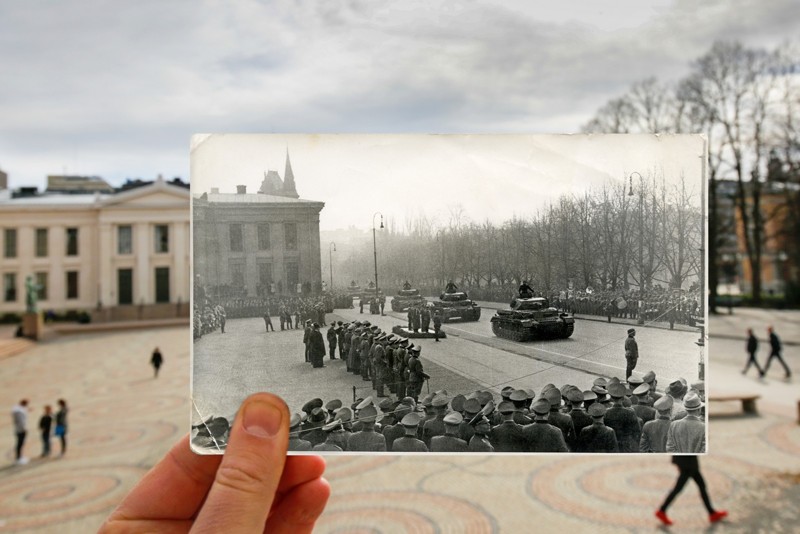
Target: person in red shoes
pixel 689 467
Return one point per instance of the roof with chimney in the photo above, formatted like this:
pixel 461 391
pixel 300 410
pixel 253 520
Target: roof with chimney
pixel 274 186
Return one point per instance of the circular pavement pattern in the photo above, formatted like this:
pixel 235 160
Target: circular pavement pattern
pixel 783 436
pixel 403 511
pixel 339 467
pixel 35 499
pixel 606 490
pixel 107 439
pixel 129 407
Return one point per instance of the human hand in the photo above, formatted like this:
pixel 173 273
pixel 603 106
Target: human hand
pixel 253 487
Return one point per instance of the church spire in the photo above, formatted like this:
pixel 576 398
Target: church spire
pixel 289 188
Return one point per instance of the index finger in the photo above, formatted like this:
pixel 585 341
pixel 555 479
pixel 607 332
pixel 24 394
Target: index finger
pixel 173 489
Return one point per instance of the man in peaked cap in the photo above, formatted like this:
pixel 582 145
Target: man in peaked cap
pixel 332 406
pixel 409 442
pixel 295 443
pixel 387 412
pixel 333 338
pixel 306 339
pixel 631 352
pixel 316 347
pixel 589 398
pixel 471 408
pixel 633 383
pixel 650 379
pixel 519 398
pixel 396 431
pixel 367 439
pixel 688 435
pixel 580 419
pixel 541 436
pixel 623 421
pixel 310 405
pixel 416 373
pixel 480 442
pixel 560 420
pixel 358 425
pixel 507 436
pixel 654 433
pixel 600 381
pixel 435 426
pixel 449 442
pixel 644 412
pixel 597 437
pixel 313 431
pixel 506 392
pixel 333 431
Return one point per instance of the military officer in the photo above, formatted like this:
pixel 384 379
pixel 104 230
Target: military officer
pixel 650 379
pixel 580 419
pixel 332 336
pixel 409 442
pixel 437 323
pixel 313 431
pixel 597 437
pixel 644 412
pixel 449 442
pixel 416 373
pixel 472 407
pixel 480 442
pixel 396 431
pixel 654 433
pixel 435 426
pixel 631 352
pixel 688 435
pixel 332 443
pixel 507 436
pixel 367 439
pixel 295 443
pixel 541 436
pixel 560 420
pixel 622 420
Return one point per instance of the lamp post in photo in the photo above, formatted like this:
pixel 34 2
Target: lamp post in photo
pixel 639 314
pixel 331 250
pixel 375 248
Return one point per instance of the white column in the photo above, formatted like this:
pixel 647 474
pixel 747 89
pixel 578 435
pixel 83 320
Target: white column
pixel 141 276
pixel 180 269
pixel 106 275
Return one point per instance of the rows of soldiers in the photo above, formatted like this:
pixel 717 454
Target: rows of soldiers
pixel 208 318
pixel 656 305
pixel 611 416
pixel 420 317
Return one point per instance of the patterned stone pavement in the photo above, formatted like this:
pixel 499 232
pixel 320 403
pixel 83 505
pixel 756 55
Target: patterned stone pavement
pixel 122 421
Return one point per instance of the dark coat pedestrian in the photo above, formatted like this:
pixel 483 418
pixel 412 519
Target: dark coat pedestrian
pixel 45 424
pixel 775 352
pixel 752 348
pixel 156 360
pixel 631 352
pixel 316 347
pixel 689 467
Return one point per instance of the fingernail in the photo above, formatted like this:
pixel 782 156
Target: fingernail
pixel 262 419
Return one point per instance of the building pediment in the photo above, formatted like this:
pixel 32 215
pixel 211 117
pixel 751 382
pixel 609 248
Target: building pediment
pixel 153 196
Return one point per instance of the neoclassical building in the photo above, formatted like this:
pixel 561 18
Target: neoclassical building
pixel 128 250
pixel 255 244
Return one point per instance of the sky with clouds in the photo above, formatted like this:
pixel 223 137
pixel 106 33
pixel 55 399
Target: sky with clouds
pixel 117 89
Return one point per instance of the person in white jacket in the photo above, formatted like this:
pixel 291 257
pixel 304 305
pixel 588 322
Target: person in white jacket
pixel 19 413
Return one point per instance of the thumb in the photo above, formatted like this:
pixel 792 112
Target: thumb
pixel 247 479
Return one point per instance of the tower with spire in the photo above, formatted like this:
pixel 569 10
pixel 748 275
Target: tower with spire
pixel 273 185
pixel 289 188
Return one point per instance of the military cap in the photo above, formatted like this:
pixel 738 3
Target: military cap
pixel 385 404
pixel 295 421
pixel 427 400
pixel 409 401
pixel 355 404
pixel 410 420
pixel 599 391
pixel 613 380
pixel 457 403
pixel 547 387
pixel 675 388
pixel 575 395
pixel 479 418
pixel 589 395
pixel 597 410
pixel 344 413
pixel 333 405
pixel 699 386
pixel 404 341
pixel 315 325
pixel 506 392
pixel 402 410
pixel 541 407
pixel 317 415
pixel 367 323
pixel 634 381
pixel 472 406
pixel 368 414
pixel 664 403
pixel 415 350
pixel 692 401
pixel 440 401
pixel 631 330
pixel 485 397
pixel 553 397
pixel 530 393
pixel 518 395
pixel 600 381
pixel 506 407
pixel 308 321
pixel 649 376
pixel 374 328
pixel 440 392
pixel 641 389
pixel 336 424
pixel 563 389
pixel 453 418
pixel 364 403
pixel 310 405
pixel 616 391
pixel 340 323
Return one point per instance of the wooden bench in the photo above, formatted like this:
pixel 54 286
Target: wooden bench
pixel 748 401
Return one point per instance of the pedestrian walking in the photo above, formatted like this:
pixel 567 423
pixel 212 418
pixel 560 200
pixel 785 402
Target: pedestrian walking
pixel 61 424
pixel 689 467
pixel 631 352
pixel 775 352
pixel 19 414
pixel 156 360
pixel 45 424
pixel 752 347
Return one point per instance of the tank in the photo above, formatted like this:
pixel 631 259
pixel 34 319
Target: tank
pixel 406 298
pixel 354 290
pixel 532 318
pixel 456 306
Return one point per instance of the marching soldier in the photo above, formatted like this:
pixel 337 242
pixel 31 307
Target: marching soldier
pixel 597 437
pixel 449 442
pixel 654 433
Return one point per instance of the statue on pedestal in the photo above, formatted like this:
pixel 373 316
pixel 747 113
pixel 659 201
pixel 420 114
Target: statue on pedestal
pixel 31 294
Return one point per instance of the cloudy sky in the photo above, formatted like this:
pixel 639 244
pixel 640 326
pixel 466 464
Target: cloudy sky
pixel 116 89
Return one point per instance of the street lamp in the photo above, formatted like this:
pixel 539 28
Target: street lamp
pixel 640 317
pixel 440 238
pixel 375 249
pixel 331 250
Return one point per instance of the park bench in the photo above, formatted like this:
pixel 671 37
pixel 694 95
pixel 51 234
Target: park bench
pixel 748 401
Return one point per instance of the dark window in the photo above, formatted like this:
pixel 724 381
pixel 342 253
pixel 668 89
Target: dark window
pixel 125 239
pixel 263 237
pixel 292 276
pixel 237 274
pixel 41 242
pixel 162 238
pixel 237 244
pixel 72 241
pixel 10 287
pixel 41 281
pixel 125 286
pixel 265 274
pixel 72 284
pixel 290 236
pixel 10 243
pixel 162 284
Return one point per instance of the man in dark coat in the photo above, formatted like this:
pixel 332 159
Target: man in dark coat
pixel 332 441
pixel 409 441
pixel 642 407
pixel 295 443
pixel 623 421
pixel 396 431
pixel 437 323
pixel 775 352
pixel 450 442
pixel 507 436
pixel 597 437
pixel 416 374
pixel 435 426
pixel 367 439
pixel 541 436
pixel 316 346
pixel 480 442
pixel 156 360
pixel 631 352
pixel 332 336
pixel 580 419
pixel 560 420
pixel 306 336
pixel 752 347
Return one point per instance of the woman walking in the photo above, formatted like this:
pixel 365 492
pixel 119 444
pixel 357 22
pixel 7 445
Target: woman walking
pixel 61 424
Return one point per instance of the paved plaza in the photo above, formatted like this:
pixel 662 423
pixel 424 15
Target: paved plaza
pixel 122 421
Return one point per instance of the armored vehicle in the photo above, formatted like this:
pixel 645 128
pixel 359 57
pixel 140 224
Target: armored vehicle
pixel 532 318
pixel 456 306
pixel 406 298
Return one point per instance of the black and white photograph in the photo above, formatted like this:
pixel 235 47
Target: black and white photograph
pixel 452 293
